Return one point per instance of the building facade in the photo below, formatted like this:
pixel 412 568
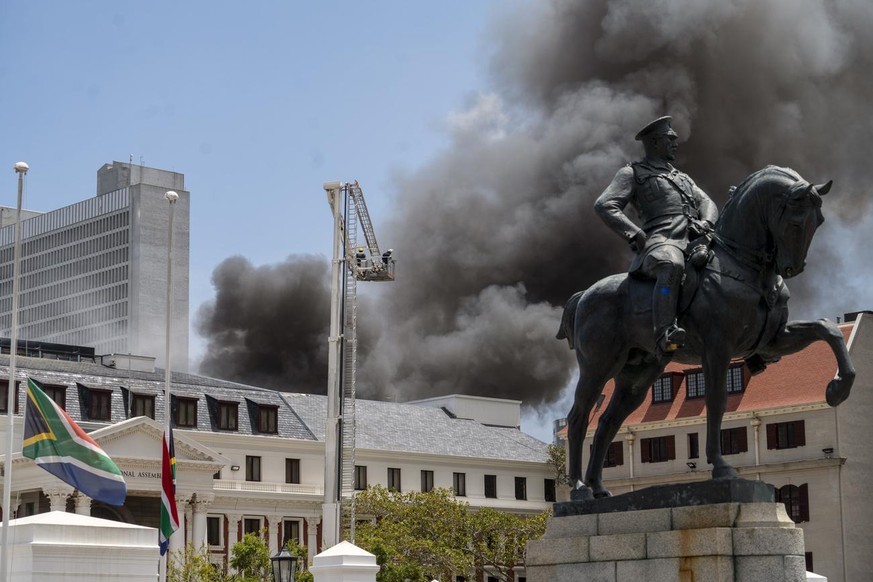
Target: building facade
pixel 250 458
pixel 778 429
pixel 94 273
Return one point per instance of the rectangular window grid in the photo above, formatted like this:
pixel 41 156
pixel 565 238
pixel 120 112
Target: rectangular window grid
pixel 4 395
pixel 252 525
pixel 693 445
pixel 100 405
pixel 658 449
pixel 213 530
pixel 186 412
pixel 735 379
pixel 734 441
pixel 695 384
pixel 290 531
pixel 268 417
pixel 426 481
pixel 393 479
pixel 253 468
pixel 491 486
pixel 228 415
pixel 292 471
pixel 786 435
pixel 521 488
pixel 360 477
pixel 549 490
pixel 459 484
pixel 662 390
pixel 143 405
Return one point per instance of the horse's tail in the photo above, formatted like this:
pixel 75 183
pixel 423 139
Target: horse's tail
pixel 568 319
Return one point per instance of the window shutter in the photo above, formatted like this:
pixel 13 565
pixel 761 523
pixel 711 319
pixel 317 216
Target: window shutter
pixel 645 451
pixel 799 433
pixel 772 436
pixel 742 440
pixel 619 452
pixel 671 447
pixel 804 501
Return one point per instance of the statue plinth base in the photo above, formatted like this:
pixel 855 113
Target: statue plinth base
pixel 718 531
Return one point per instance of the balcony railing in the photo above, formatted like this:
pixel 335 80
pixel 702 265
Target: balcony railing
pixel 267 487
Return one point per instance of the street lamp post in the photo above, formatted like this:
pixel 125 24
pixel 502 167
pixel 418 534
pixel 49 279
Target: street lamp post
pixel 21 169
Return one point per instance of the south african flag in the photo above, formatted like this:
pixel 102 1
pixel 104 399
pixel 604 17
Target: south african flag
pixel 59 446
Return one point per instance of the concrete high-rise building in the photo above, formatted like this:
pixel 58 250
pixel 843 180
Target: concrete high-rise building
pixel 94 273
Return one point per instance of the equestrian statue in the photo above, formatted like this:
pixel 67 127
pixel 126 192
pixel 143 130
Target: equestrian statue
pixel 702 289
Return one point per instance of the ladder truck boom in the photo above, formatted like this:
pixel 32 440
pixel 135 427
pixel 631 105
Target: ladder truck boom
pixel 351 263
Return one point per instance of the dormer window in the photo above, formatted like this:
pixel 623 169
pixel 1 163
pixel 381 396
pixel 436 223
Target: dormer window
pixel 268 419
pixel 100 405
pixel 737 379
pixel 57 393
pixel 665 388
pixel 695 385
pixel 186 412
pixel 4 396
pixel 143 405
pixel 228 415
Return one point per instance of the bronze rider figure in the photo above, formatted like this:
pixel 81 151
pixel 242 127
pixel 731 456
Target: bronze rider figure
pixel 672 211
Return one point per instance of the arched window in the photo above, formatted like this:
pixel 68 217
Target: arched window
pixel 796 500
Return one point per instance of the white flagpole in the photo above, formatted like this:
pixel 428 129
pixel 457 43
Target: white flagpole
pixel 168 409
pixel 21 169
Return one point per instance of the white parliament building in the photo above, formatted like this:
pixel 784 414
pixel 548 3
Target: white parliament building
pixel 251 458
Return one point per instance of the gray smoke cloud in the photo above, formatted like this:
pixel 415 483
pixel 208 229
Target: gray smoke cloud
pixel 496 232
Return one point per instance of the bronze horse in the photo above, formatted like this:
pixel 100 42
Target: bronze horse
pixel 735 307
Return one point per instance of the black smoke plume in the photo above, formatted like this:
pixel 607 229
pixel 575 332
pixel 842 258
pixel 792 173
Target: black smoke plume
pixel 496 232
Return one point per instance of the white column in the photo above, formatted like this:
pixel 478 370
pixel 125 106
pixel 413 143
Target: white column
pixel 177 540
pixel 312 537
pixel 233 520
pixel 201 506
pixel 273 532
pixel 630 453
pixel 57 497
pixel 83 504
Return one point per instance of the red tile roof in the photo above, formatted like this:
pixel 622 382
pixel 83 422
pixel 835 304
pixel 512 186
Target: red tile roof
pixel 800 378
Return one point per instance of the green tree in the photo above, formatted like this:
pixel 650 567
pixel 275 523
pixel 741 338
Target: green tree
pixel 192 565
pixel 303 574
pixel 415 536
pixel 251 559
pixel 420 536
pixel 558 462
pixel 499 539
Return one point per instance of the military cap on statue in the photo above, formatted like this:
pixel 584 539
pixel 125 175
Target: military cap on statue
pixel 660 126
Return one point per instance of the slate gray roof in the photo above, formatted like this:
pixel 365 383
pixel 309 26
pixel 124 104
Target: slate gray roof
pixel 380 426
pixel 97 376
pixel 392 426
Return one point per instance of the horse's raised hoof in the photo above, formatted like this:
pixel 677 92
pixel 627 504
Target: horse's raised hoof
pixel 726 472
pixel 838 390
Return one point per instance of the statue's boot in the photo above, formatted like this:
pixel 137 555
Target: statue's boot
pixel 670 336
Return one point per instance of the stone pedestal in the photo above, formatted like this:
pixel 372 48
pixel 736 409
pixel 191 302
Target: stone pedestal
pixel 671 533
pixel 68 547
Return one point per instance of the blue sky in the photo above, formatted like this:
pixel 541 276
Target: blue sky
pixel 257 104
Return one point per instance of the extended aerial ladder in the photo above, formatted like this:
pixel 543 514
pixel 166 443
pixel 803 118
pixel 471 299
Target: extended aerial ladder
pixel 351 263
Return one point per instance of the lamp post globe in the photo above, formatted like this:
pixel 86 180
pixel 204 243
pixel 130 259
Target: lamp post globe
pixel 284 566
